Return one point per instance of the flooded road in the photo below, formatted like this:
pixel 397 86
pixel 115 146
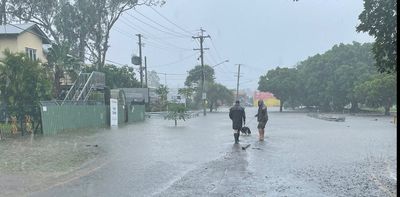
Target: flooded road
pixel 301 156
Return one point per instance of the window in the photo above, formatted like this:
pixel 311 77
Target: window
pixel 31 53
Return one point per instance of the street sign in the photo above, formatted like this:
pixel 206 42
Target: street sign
pixel 204 96
pixel 113 112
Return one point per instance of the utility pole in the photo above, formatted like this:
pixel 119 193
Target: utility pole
pixel 145 70
pixel 237 84
pixel 147 85
pixel 203 94
pixel 140 56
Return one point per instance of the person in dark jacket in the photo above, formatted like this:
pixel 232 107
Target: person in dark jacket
pixel 238 117
pixel 262 118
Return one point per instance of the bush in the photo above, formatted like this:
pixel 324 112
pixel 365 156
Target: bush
pixel 177 112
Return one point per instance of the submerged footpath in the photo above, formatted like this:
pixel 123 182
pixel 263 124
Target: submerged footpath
pixel 31 163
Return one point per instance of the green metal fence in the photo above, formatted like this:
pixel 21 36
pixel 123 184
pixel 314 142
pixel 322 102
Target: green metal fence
pixel 57 117
pixel 136 113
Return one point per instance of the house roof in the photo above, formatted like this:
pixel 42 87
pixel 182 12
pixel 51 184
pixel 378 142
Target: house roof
pixel 16 29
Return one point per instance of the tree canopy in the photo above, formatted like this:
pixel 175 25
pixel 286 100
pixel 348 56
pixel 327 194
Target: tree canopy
pixel 195 75
pixel 281 82
pixel 218 94
pixel 379 91
pixel 327 80
pixel 85 24
pixel 153 79
pixel 118 77
pixel 23 83
pixel 379 19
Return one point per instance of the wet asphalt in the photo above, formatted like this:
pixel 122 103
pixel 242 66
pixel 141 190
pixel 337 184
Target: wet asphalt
pixel 301 156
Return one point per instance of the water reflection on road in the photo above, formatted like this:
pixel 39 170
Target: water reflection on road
pixel 301 156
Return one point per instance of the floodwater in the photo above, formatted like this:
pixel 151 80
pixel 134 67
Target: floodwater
pixel 301 156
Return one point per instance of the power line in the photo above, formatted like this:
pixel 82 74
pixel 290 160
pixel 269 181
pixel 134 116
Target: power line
pixel 170 21
pixel 165 75
pixel 174 62
pixel 122 32
pixel 153 26
pixel 162 25
pixel 215 48
pixel 150 36
pixel 168 45
pixel 143 30
pixel 135 27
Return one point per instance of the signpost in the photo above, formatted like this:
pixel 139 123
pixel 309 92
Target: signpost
pixel 113 112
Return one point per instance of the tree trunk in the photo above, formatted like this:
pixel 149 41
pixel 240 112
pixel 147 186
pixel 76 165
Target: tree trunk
pixel 387 107
pixel 3 15
pixel 281 107
pixel 57 85
pixel 387 110
pixel 176 122
pixel 82 40
pixel 105 48
pixel 354 107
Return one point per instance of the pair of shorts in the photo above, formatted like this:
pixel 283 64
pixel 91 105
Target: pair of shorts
pixel 261 125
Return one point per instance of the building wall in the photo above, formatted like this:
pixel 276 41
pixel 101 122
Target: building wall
pixel 27 39
pixel 20 42
pixel 268 98
pixel 7 42
pixel 270 102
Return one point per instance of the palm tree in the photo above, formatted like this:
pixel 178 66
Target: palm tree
pixel 60 61
pixel 162 92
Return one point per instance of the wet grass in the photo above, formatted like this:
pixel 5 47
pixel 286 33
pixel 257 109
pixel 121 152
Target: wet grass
pixel 56 154
pixel 5 129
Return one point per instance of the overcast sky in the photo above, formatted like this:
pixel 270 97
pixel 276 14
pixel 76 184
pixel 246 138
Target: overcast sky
pixel 260 34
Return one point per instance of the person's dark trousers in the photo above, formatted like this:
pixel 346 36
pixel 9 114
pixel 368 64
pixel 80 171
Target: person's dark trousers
pixel 236 136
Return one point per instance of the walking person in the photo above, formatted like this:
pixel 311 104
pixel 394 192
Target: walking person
pixel 262 118
pixel 238 117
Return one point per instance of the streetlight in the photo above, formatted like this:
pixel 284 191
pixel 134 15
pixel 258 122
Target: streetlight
pixel 203 93
pixel 220 63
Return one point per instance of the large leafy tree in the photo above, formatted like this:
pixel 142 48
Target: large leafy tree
pixel 379 19
pixel 380 91
pixel 327 80
pixel 282 82
pixel 153 79
pixel 84 23
pixel 195 75
pixel 118 77
pixel 217 95
pixel 187 92
pixel 23 83
pixel 194 79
